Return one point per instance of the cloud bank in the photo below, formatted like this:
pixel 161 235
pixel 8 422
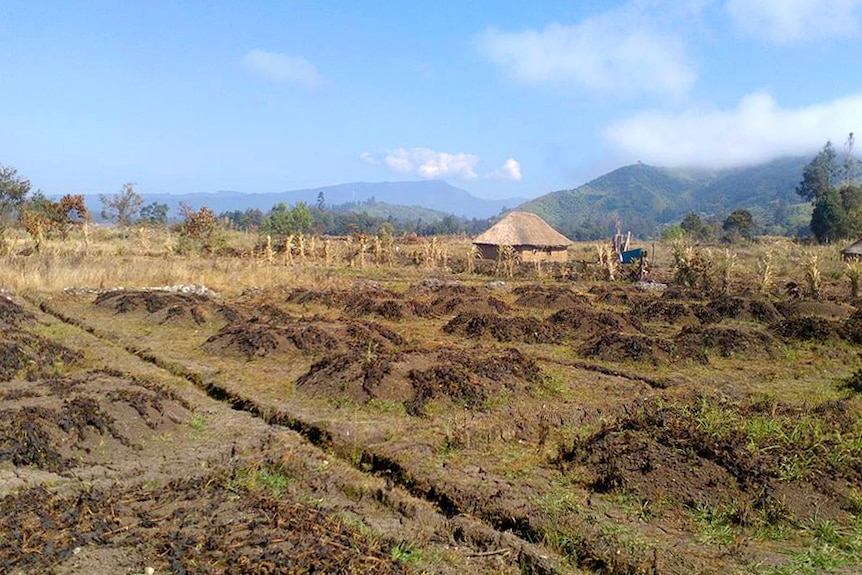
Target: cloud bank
pixel 617 52
pixel 282 68
pixel 510 172
pixel 757 130
pixel 787 21
pixel 426 163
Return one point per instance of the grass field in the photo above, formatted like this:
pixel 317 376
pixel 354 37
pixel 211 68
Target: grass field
pixel 413 411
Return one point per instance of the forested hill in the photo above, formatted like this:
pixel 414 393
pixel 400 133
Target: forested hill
pixel 646 197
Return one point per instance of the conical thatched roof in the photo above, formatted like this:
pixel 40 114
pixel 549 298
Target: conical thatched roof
pixel 854 249
pixel 523 229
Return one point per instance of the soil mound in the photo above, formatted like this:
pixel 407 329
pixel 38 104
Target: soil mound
pixel 827 310
pixel 736 308
pixel 614 295
pixel 621 347
pixel 769 461
pixel 415 377
pixel 328 298
pixel 62 423
pixel 502 328
pixel 727 341
pixel 167 307
pixel 12 314
pixel 386 305
pixel 548 297
pixel 309 335
pixel 206 524
pixel 23 354
pixel 665 311
pixel 585 322
pixel 807 328
pixel 852 328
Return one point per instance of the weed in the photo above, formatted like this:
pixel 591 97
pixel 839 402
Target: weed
pixel 198 422
pixel 405 553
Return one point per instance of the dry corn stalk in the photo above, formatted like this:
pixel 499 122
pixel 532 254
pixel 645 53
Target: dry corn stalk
pixel 473 254
pixel 288 249
pixel 607 260
pixel 813 280
pixel 853 271
pixel 269 254
pixel 765 272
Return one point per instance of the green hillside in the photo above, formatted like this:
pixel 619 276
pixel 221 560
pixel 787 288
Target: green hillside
pixel 646 198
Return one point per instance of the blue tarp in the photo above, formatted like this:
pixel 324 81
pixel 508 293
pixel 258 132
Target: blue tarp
pixel 635 254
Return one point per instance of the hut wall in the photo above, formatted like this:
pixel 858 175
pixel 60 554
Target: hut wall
pixel 488 252
pixel 531 254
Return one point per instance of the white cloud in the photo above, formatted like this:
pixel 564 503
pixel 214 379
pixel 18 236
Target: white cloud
pixel 510 172
pixel 757 130
pixel 430 165
pixel 282 68
pixel 785 21
pixel 369 158
pixel 621 51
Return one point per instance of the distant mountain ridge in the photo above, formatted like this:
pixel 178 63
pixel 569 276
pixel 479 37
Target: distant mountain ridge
pixel 645 197
pixel 435 195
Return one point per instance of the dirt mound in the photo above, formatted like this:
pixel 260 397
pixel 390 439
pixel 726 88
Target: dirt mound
pixel 328 298
pixel 665 311
pixel 386 305
pixel 620 347
pixel 502 328
pixel 308 335
pixel 615 295
pixel 61 423
pixel 167 307
pixel 727 341
pixel 585 322
pixel 827 310
pixel 851 330
pixel 414 377
pixel 776 460
pixel 211 524
pixel 736 308
pixel 548 297
pixel 634 461
pixel 12 314
pixel 807 328
pixel 23 354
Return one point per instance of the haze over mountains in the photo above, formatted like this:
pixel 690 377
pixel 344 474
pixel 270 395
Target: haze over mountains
pixel 435 195
pixel 644 197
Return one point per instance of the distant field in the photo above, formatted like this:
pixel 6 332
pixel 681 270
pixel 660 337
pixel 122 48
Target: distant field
pixel 382 408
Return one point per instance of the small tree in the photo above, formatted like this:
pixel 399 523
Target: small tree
pixel 155 214
pixel 739 223
pixel 122 207
pixel 13 192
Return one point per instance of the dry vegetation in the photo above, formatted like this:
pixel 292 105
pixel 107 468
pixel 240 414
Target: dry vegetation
pixel 376 406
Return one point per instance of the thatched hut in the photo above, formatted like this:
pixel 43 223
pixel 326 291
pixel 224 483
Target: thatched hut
pixel 853 251
pixel 529 235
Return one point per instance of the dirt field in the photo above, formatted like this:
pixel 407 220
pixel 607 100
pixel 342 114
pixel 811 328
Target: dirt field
pixel 438 425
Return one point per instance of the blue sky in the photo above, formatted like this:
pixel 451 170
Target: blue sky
pixel 501 98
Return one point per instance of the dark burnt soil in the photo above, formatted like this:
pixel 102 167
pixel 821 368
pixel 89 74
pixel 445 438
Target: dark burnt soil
pixel 502 328
pixel 385 306
pixel 12 314
pixel 737 308
pixel 548 297
pixel 62 423
pixel 23 354
pixel 211 524
pixel 717 452
pixel 643 349
pixel 852 328
pixel 581 322
pixel 414 377
pixel 726 341
pixel 167 307
pixel 671 312
pixel 308 335
pixel 807 328
pixel 615 295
